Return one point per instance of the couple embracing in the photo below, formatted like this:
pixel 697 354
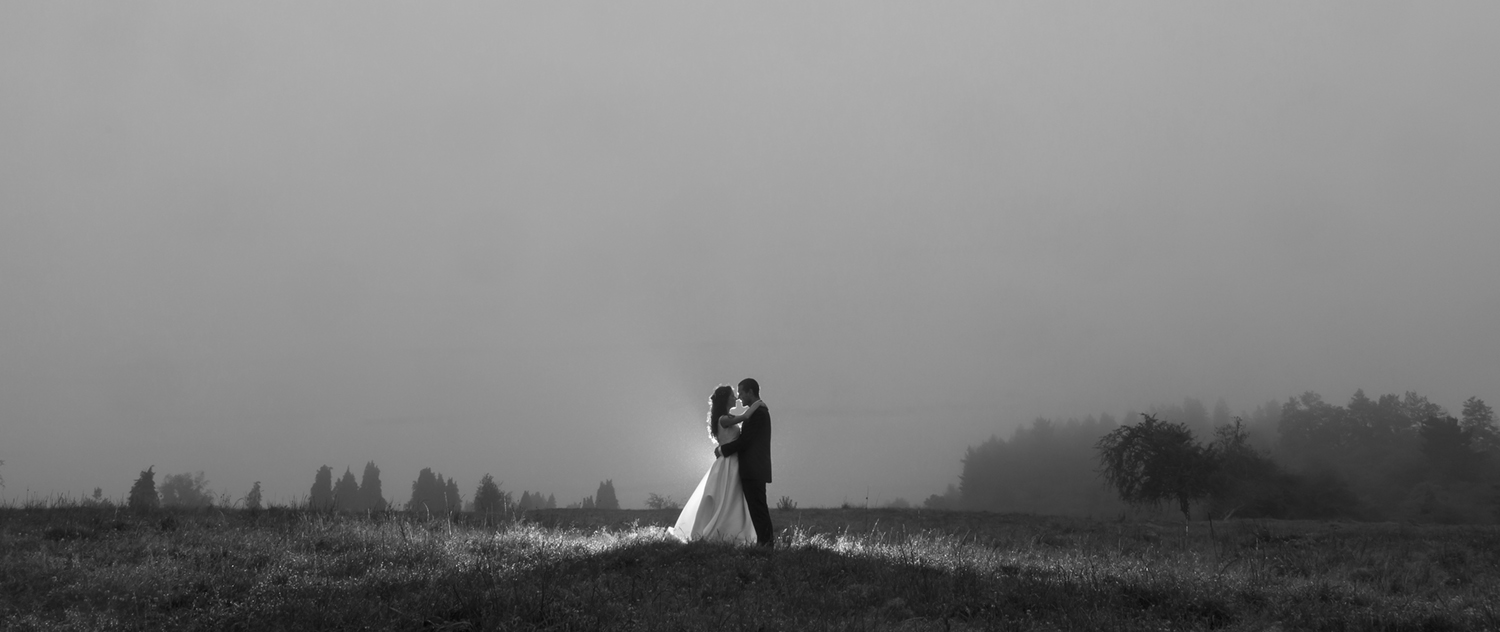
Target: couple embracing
pixel 729 504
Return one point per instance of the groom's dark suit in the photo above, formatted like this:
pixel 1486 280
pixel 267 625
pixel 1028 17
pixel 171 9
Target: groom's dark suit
pixel 754 448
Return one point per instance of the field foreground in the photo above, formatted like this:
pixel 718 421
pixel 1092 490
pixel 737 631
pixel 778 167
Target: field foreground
pixel 92 569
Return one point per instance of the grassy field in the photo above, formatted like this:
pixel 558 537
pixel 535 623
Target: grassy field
pixel 96 569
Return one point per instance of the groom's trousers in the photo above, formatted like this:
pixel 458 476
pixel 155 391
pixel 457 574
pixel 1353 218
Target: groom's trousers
pixel 760 514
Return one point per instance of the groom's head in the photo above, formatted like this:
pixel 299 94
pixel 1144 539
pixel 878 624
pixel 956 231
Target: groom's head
pixel 749 391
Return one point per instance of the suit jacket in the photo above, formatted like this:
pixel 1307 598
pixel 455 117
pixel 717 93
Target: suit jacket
pixel 753 446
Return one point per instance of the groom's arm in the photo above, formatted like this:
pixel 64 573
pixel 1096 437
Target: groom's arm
pixel 732 420
pixel 751 432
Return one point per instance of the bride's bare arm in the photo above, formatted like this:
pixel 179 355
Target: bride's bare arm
pixel 734 420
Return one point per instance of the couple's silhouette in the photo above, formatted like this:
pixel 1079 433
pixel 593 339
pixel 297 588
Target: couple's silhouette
pixel 729 504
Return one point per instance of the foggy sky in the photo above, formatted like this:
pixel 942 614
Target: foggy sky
pixel 529 240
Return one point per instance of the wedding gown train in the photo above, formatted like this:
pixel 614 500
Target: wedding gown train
pixel 717 510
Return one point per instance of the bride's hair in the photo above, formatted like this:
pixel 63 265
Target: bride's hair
pixel 718 406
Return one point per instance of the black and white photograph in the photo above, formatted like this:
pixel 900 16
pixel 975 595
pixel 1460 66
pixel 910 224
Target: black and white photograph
pixel 1148 315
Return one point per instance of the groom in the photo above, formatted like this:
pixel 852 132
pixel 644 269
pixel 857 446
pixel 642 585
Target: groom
pixel 754 448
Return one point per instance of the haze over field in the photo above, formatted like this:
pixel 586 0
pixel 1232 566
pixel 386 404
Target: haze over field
pixel 530 240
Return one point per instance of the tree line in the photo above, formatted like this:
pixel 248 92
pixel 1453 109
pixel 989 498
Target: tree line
pixel 431 493
pixel 188 489
pixel 1392 457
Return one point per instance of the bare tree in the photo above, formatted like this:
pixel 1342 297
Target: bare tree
pixel 657 501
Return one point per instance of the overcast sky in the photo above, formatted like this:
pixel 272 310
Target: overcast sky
pixel 530 239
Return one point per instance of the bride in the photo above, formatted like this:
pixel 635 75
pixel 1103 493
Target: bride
pixel 717 510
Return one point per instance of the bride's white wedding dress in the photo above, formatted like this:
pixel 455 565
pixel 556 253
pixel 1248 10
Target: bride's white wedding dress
pixel 717 510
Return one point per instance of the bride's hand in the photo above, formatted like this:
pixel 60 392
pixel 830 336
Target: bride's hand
pixel 734 420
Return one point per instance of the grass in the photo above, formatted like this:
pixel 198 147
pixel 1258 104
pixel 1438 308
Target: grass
pixel 69 568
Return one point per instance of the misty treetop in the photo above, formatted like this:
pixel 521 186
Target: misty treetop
pixel 345 492
pixel 347 495
pixel 428 493
pixel 321 495
pixel 434 494
pixel 252 498
pixel 1479 421
pixel 490 498
pixel 1403 456
pixel 371 497
pixel 605 497
pixel 535 500
pixel 185 490
pixel 143 492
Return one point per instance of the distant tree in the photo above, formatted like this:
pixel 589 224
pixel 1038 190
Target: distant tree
pixel 1314 431
pixel 143 493
pixel 346 492
pixel 428 493
pixel 1418 409
pixel 2 478
pixel 1449 448
pixel 321 496
pixel 898 503
pixel 1373 444
pixel 442 494
pixel 185 490
pixel 657 501
pixel 371 497
pixel 588 502
pixel 489 498
pixel 1240 476
pixel 453 501
pixel 950 499
pixel 535 500
pixel 97 499
pixel 252 499
pixel 1371 429
pixel 1479 422
pixel 605 497
pixel 1155 461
